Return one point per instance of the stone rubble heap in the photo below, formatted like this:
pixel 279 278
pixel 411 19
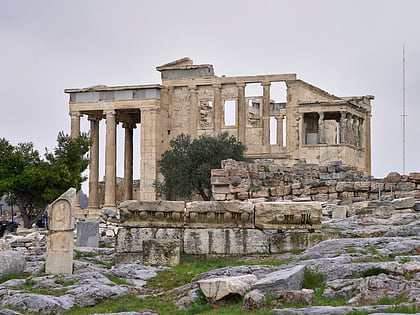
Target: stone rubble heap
pixel 306 182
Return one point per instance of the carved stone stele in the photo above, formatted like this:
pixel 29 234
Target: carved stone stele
pixel 288 215
pixel 219 214
pixel 137 213
pixel 60 241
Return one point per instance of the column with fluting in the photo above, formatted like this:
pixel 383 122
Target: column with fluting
pixel 266 117
pixel 74 133
pixel 193 111
pixel 110 160
pixel 217 109
pixel 128 160
pixel 94 164
pixel 241 113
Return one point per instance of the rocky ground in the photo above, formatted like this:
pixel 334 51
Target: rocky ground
pixel 371 265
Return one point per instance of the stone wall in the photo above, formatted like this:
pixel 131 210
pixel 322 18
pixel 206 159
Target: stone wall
pixel 213 227
pixel 307 182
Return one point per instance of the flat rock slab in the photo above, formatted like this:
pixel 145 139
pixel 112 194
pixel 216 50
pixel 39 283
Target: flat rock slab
pixel 403 203
pixel 11 262
pixel 87 234
pixel 330 310
pixel 216 289
pixel 275 283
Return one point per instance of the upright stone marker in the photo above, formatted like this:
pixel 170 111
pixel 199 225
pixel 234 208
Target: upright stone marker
pixel 60 242
pixel 87 234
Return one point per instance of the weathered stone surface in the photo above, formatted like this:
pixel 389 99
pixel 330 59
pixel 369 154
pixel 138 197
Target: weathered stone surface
pixel 340 212
pixel 393 177
pixel 288 215
pixel 344 186
pixel 136 213
pixel 290 241
pixel 92 294
pixel 254 300
pixel 87 234
pixel 37 303
pixel 165 253
pixel 6 311
pixel 60 242
pixel 304 296
pixel 11 262
pixel 225 241
pixel 403 203
pixel 215 289
pixel 330 310
pixel 274 284
pixel 186 300
pixel 219 214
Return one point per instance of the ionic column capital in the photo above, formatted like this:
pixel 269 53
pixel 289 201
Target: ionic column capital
pixel 75 114
pixel 129 124
pixel 240 84
pixel 109 112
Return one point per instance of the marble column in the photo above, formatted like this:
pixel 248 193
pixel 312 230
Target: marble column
pixel 356 131
pixel 279 139
pixel 94 164
pixel 241 113
pixel 349 129
pixel 343 123
pixel 321 128
pixel 74 133
pixel 110 160
pixel 361 133
pixel 128 160
pixel 217 109
pixel 266 117
pixel 193 111
pixel 367 143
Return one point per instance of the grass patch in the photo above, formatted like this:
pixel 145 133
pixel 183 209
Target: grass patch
pixel 119 281
pixel 373 272
pixel 312 279
pixel 10 277
pixel 387 300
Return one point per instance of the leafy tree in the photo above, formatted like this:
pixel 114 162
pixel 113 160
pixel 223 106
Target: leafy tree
pixel 31 183
pixel 186 167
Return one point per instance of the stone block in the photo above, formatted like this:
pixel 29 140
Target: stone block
pixel 274 284
pixel 340 212
pixel 344 186
pixel 219 172
pixel 403 203
pixel 139 213
pixel 393 177
pixel 11 263
pixel 219 214
pixel 130 239
pixel 215 289
pixel 220 180
pixel 254 300
pixel 288 215
pixel 161 253
pixel 219 197
pixel 362 186
pixel 221 189
pixel 417 206
pixel 225 241
pixel 414 177
pixel 262 192
pixel 239 188
pixel 319 190
pixel 406 186
pixel 291 241
pixel 272 182
pixel 243 195
pixel 301 297
pixel 87 234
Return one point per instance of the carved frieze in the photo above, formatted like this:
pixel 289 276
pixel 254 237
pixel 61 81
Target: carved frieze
pixel 219 214
pixel 288 215
pixel 136 213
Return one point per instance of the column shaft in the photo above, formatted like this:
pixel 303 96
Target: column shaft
pixel 279 139
pixel 193 111
pixel 217 109
pixel 241 113
pixel 343 136
pixel 321 128
pixel 367 142
pixel 110 160
pixel 266 117
pixel 74 133
pixel 128 161
pixel 94 164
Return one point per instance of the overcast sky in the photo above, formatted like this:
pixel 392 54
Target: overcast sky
pixel 344 47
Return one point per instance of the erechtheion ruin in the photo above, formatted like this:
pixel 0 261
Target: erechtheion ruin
pixel 308 124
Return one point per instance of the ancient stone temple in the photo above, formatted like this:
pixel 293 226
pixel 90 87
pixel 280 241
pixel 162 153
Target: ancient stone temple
pixel 308 123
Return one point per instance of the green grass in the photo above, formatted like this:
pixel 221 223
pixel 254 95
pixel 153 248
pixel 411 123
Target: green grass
pixel 312 279
pixel 10 277
pixel 119 281
pixel 373 272
pixel 387 300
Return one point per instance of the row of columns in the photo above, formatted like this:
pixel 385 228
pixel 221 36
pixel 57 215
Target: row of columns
pixel 241 113
pixel 110 158
pixel 351 129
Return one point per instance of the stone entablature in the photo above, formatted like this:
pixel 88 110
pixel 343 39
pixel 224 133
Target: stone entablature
pixel 306 182
pixel 309 123
pixel 215 227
